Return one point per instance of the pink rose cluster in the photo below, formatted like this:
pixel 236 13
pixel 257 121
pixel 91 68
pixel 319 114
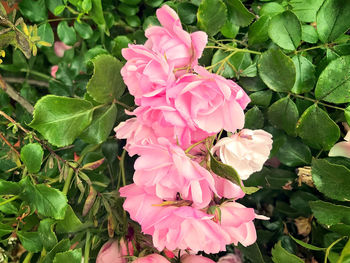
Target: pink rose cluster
pixel 175 196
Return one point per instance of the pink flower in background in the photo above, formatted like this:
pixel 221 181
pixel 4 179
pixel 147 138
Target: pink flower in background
pixel 153 258
pixel 54 71
pixel 195 259
pixel 114 252
pixel 60 48
pixel 145 73
pixel 341 148
pixel 209 102
pixel 230 258
pixel 180 48
pixel 167 168
pixel 245 151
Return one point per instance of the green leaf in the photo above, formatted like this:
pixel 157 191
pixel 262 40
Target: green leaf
pixel 120 42
pixel 106 84
pixel 280 255
pixel 331 179
pixel 5 229
pixel 48 201
pixel 238 14
pixel 35 11
pixel 70 223
pixel 32 157
pixel 61 246
pixel 317 129
pixel 59 9
pixel 66 33
pixel 283 114
pixel 229 30
pixel 84 30
pixel 234 66
pixel 271 9
pixel 133 21
pixel 306 9
pixel 30 241
pixel 8 208
pixel 60 119
pixel 308 246
pixel 330 214
pixel 45 33
pixel 9 188
pixel 305 75
pixel 86 5
pixel 332 19
pixel 187 13
pixel 252 252
pixel 224 170
pixel 277 70
pixel 96 13
pixel 261 98
pixel 333 84
pixel 71 256
pixel 101 125
pixel 46 233
pixel 285 30
pixel 345 254
pixel 128 10
pixel 258 31
pixel 154 3
pixel 294 153
pixel 211 19
pixel 309 34
pixel 347 114
pixel 254 119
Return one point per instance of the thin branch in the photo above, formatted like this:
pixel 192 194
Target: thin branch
pixel 15 96
pixel 30 81
pixel 9 144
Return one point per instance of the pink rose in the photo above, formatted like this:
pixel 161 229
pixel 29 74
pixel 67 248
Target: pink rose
pixel 173 227
pixel 180 48
pixel 245 151
pixel 54 71
pixel 209 102
pixel 157 118
pixel 153 258
pixel 189 228
pixel 237 222
pixel 114 252
pixel 145 73
pixel 341 148
pixel 60 48
pixel 230 258
pixel 195 259
pixel 173 174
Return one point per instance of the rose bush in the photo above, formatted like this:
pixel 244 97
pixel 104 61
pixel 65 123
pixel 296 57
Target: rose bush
pixel 230 131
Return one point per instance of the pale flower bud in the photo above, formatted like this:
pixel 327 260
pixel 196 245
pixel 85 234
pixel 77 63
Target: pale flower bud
pixel 114 252
pixel 246 151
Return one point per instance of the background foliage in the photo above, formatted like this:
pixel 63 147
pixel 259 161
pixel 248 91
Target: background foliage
pixel 60 166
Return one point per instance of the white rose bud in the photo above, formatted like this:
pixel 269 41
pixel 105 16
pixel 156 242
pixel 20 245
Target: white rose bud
pixel 246 151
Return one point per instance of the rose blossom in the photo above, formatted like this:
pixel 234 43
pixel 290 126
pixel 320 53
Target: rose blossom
pixel 153 258
pixel 245 151
pixel 167 168
pixel 114 252
pixel 230 258
pixel 209 102
pixel 173 227
pixel 54 71
pixel 145 73
pixel 178 46
pixel 195 259
pixel 237 222
pixel 60 48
